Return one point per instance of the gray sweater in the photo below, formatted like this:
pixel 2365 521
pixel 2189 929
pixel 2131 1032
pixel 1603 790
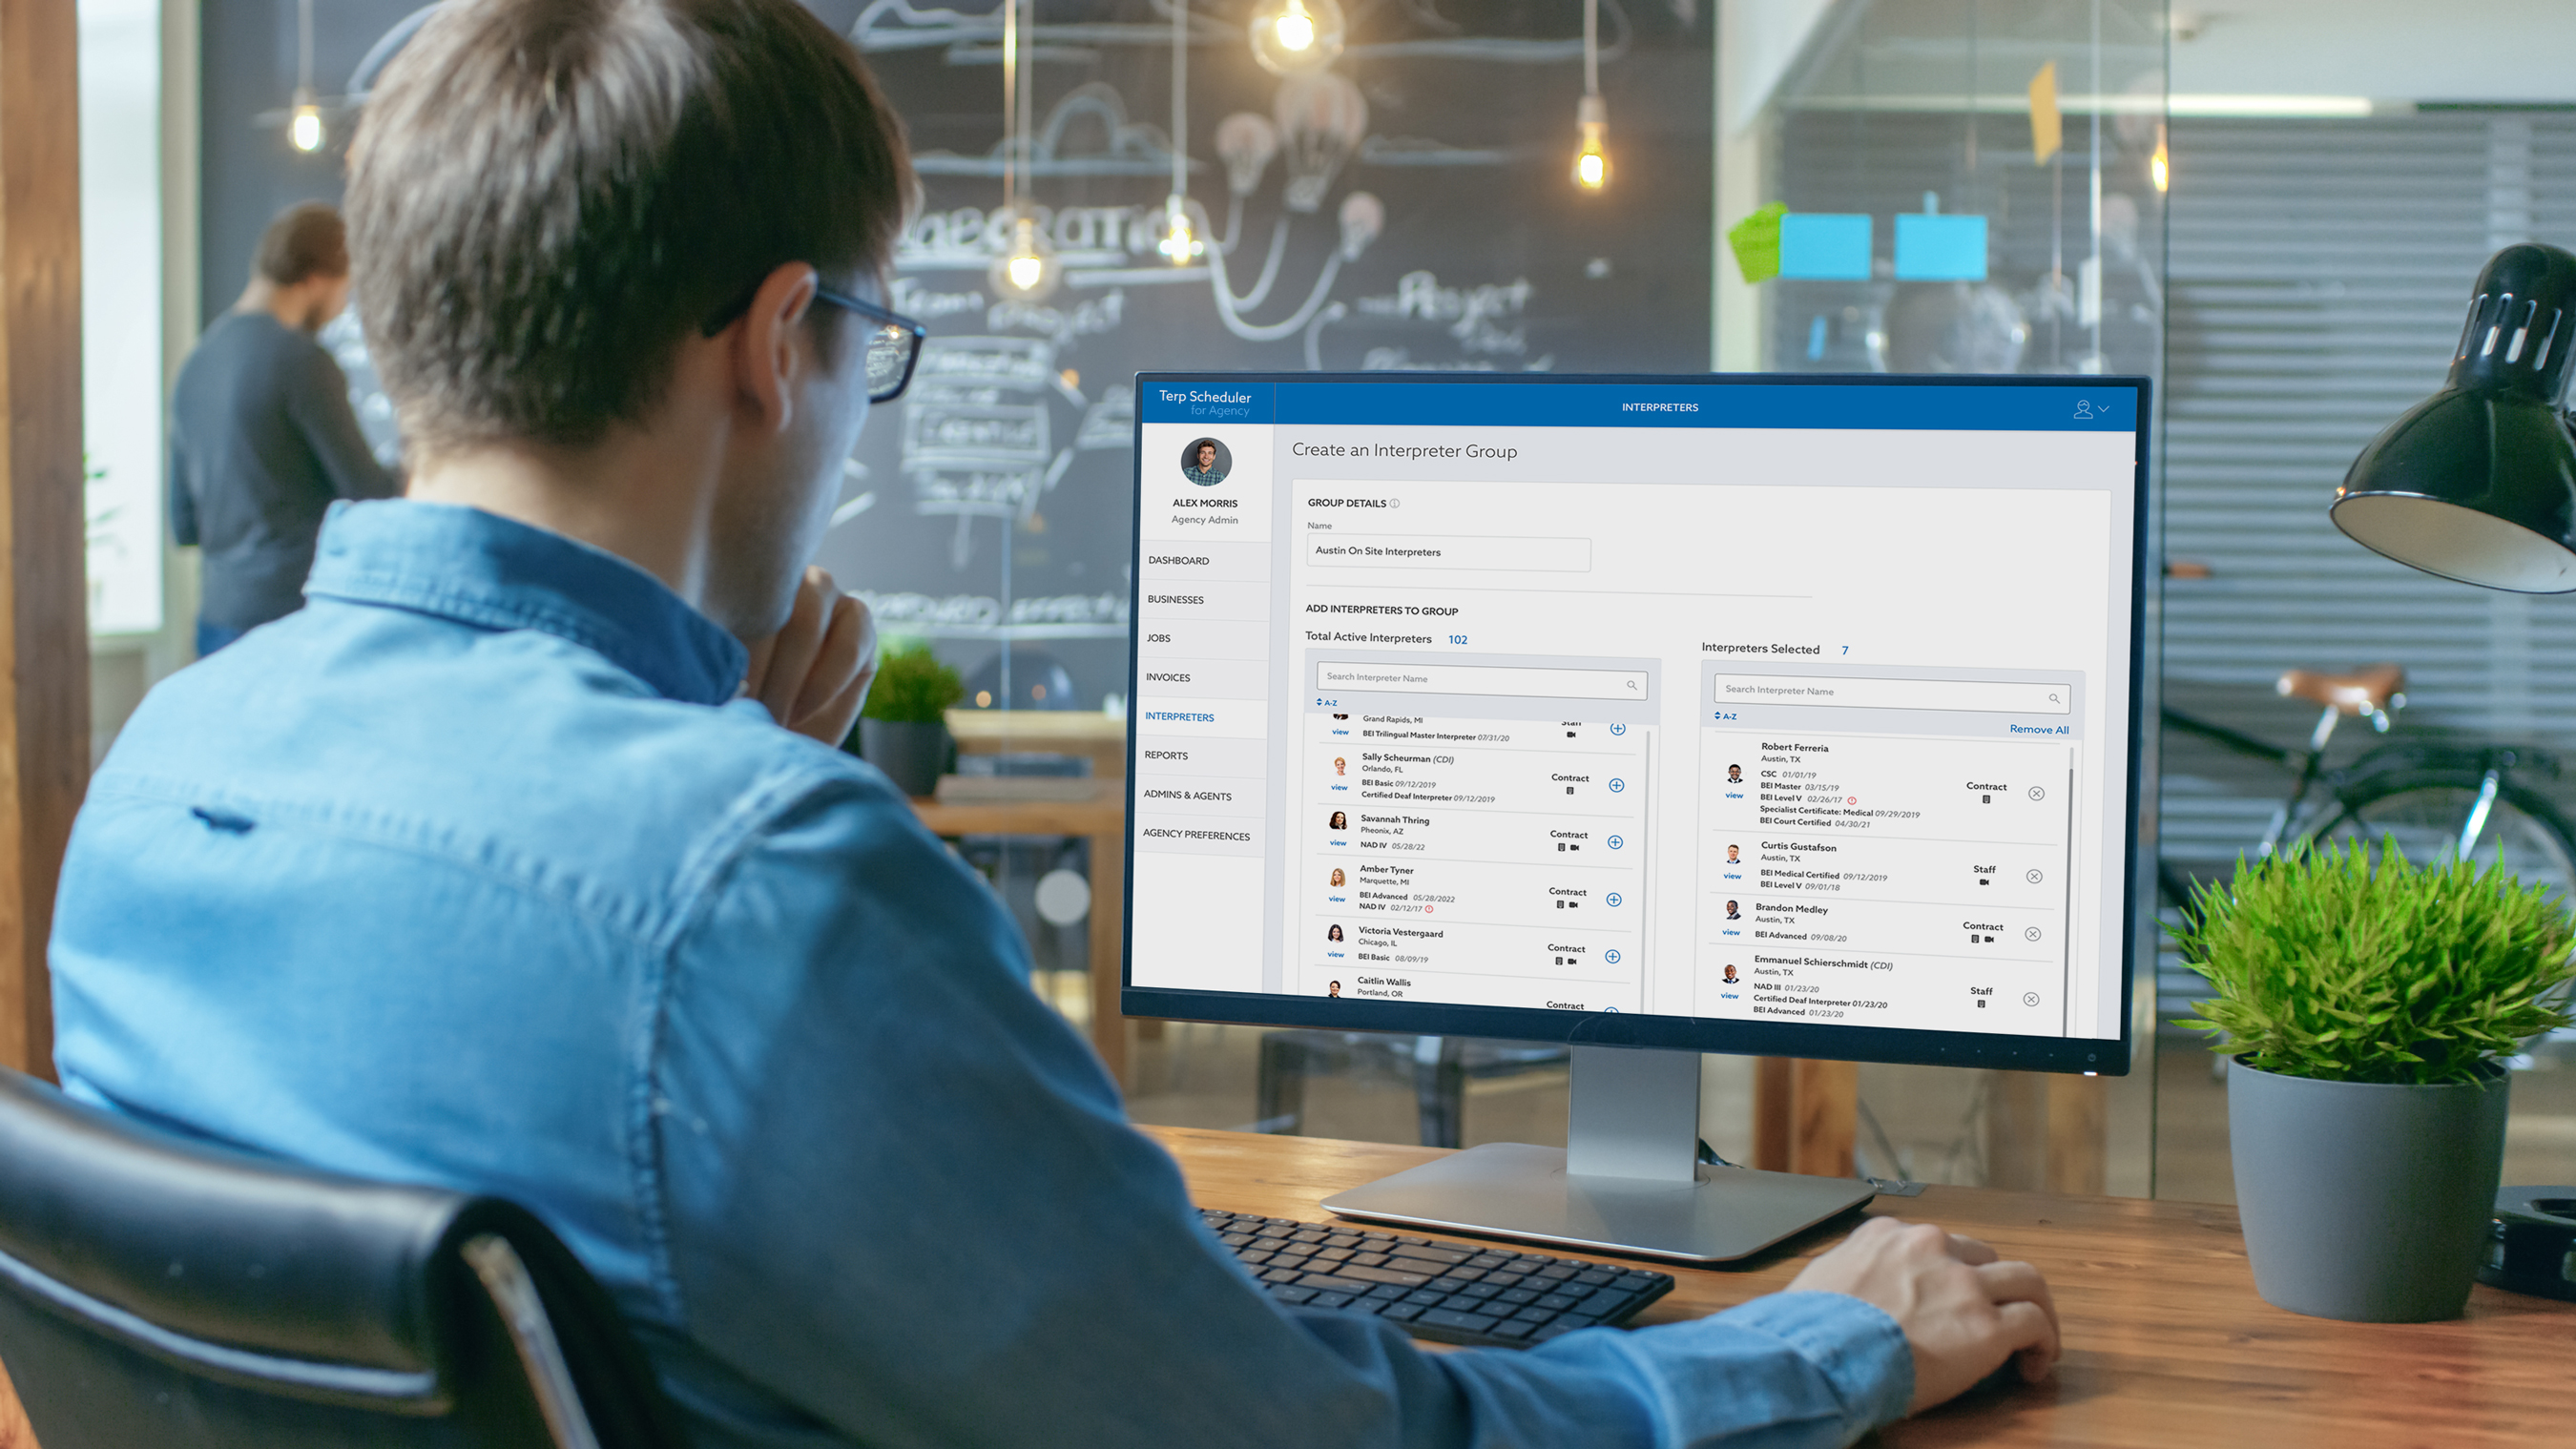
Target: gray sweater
pixel 262 439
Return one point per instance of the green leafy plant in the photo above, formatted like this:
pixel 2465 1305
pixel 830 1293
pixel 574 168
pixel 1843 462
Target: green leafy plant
pixel 912 686
pixel 2331 965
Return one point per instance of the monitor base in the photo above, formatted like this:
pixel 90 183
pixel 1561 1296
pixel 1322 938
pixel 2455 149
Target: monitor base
pixel 1513 1190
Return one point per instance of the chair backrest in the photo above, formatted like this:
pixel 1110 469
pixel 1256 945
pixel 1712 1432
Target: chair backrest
pixel 157 1290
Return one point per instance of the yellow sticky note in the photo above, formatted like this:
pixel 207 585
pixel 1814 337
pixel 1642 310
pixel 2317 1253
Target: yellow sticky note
pixel 2047 130
pixel 1756 240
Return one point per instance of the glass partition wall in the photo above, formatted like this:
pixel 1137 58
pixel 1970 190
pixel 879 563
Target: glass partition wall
pixel 1969 186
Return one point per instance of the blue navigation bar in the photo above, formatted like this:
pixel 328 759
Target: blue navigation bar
pixel 1521 400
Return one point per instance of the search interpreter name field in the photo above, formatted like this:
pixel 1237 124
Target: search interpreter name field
pixel 1992 696
pixel 1486 679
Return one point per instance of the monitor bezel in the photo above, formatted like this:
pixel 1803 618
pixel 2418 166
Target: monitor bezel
pixel 2106 1056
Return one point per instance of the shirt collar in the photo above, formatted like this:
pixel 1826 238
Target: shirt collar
pixel 482 569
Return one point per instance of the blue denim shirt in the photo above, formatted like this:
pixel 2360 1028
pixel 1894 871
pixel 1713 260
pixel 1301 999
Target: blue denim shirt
pixel 474 872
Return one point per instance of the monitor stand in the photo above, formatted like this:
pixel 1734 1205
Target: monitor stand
pixel 1629 1179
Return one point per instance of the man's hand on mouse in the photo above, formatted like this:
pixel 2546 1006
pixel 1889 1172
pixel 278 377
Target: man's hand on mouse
pixel 1964 1312
pixel 814 673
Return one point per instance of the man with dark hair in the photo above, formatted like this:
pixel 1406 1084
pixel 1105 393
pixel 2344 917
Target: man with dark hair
pixel 261 435
pixel 493 867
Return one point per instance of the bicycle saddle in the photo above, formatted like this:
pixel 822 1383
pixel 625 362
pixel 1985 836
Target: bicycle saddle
pixel 2360 691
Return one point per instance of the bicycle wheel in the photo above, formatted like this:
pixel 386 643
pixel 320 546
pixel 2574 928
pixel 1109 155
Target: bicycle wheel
pixel 2424 811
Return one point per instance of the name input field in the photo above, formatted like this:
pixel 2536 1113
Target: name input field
pixel 1531 681
pixel 1991 696
pixel 1449 551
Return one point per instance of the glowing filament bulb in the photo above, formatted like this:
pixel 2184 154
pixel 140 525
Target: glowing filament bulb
pixel 1592 158
pixel 1179 242
pixel 304 128
pixel 1296 29
pixel 2159 169
pixel 1027 270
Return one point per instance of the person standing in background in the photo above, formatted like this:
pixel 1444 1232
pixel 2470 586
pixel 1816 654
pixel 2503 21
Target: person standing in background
pixel 262 438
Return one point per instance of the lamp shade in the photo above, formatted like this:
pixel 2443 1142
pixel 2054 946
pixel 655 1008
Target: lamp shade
pixel 2478 483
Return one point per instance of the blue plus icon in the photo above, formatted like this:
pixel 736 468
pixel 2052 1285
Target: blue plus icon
pixel 1614 898
pixel 1618 729
pixel 1616 842
pixel 1617 785
pixel 1611 956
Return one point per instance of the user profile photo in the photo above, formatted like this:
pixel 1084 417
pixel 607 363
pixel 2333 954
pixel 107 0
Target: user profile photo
pixel 1730 974
pixel 1333 988
pixel 1735 774
pixel 1734 855
pixel 1339 821
pixel 1732 913
pixel 1337 877
pixel 1333 932
pixel 1206 462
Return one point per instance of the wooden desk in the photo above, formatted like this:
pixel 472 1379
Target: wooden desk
pixel 2166 1342
pixel 1104 820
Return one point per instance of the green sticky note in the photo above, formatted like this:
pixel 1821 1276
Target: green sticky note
pixel 1756 242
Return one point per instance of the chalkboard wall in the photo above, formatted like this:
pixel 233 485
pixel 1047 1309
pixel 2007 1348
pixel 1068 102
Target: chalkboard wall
pixel 1417 212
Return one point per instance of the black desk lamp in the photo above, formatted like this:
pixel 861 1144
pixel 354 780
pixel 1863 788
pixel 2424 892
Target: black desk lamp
pixel 2479 483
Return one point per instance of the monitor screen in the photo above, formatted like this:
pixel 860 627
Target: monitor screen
pixel 1728 713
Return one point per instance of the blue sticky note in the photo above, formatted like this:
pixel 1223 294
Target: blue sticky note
pixel 1825 246
pixel 1940 248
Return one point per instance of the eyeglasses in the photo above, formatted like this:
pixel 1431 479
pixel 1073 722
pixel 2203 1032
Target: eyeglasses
pixel 894 340
pixel 894 344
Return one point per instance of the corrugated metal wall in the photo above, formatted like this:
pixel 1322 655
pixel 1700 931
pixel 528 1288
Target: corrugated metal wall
pixel 2319 274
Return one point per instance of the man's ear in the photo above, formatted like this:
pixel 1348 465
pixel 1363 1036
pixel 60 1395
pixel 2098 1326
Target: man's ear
pixel 771 349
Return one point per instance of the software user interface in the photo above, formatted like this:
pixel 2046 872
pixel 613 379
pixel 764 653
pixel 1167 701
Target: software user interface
pixel 1795 703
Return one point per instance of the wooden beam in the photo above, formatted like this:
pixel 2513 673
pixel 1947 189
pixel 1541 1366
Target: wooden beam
pixel 1805 1115
pixel 44 636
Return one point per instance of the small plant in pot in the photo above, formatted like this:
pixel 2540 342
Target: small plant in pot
pixel 2367 1007
pixel 903 728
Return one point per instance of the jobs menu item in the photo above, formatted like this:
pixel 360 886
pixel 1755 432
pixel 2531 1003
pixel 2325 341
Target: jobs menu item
pixel 1463 859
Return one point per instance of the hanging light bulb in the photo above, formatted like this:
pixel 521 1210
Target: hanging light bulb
pixel 1591 160
pixel 304 125
pixel 1592 114
pixel 1028 272
pixel 2159 165
pixel 1292 36
pixel 1180 240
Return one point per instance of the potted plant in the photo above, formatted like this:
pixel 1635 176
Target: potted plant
pixel 903 728
pixel 2366 1007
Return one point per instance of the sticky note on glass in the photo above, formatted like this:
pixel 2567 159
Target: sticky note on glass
pixel 1756 243
pixel 1825 246
pixel 2047 127
pixel 1940 248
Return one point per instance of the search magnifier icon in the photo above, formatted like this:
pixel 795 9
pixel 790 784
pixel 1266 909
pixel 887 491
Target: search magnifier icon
pixel 2052 699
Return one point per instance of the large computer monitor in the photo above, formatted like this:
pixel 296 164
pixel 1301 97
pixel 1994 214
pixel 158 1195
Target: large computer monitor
pixel 1764 714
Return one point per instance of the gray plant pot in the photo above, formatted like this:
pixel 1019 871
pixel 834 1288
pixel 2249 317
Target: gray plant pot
pixel 913 754
pixel 2364 1201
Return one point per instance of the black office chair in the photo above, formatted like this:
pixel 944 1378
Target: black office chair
pixel 156 1291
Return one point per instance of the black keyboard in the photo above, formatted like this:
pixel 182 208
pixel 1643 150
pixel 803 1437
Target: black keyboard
pixel 1449 1292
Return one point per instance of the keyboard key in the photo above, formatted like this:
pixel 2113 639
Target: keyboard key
pixel 1557 1300
pixel 1424 1298
pixel 1270 1242
pixel 1447 1284
pixel 1379 1237
pixel 1479 1290
pixel 1386 1292
pixel 1357 1269
pixel 1463 1303
pixel 1536 1314
pixel 1343 1240
pixel 1485 1260
pixel 1312 1235
pixel 1513 1295
pixel 1596 1277
pixel 1558 1329
pixel 1557 1271
pixel 1434 1252
pixel 1514 1328
pixel 1469 1275
pixel 1280 1275
pixel 1252 1258
pixel 1451 1318
pixel 1332 1255
pixel 1368 1260
pixel 1401 1312
pixel 1235 1240
pixel 1291 1293
pixel 1328 1300
pixel 1363 1305
pixel 1505 1280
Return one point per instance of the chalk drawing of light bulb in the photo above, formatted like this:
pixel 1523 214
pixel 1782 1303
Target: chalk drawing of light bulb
pixel 1363 221
pixel 1246 141
pixel 1322 119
